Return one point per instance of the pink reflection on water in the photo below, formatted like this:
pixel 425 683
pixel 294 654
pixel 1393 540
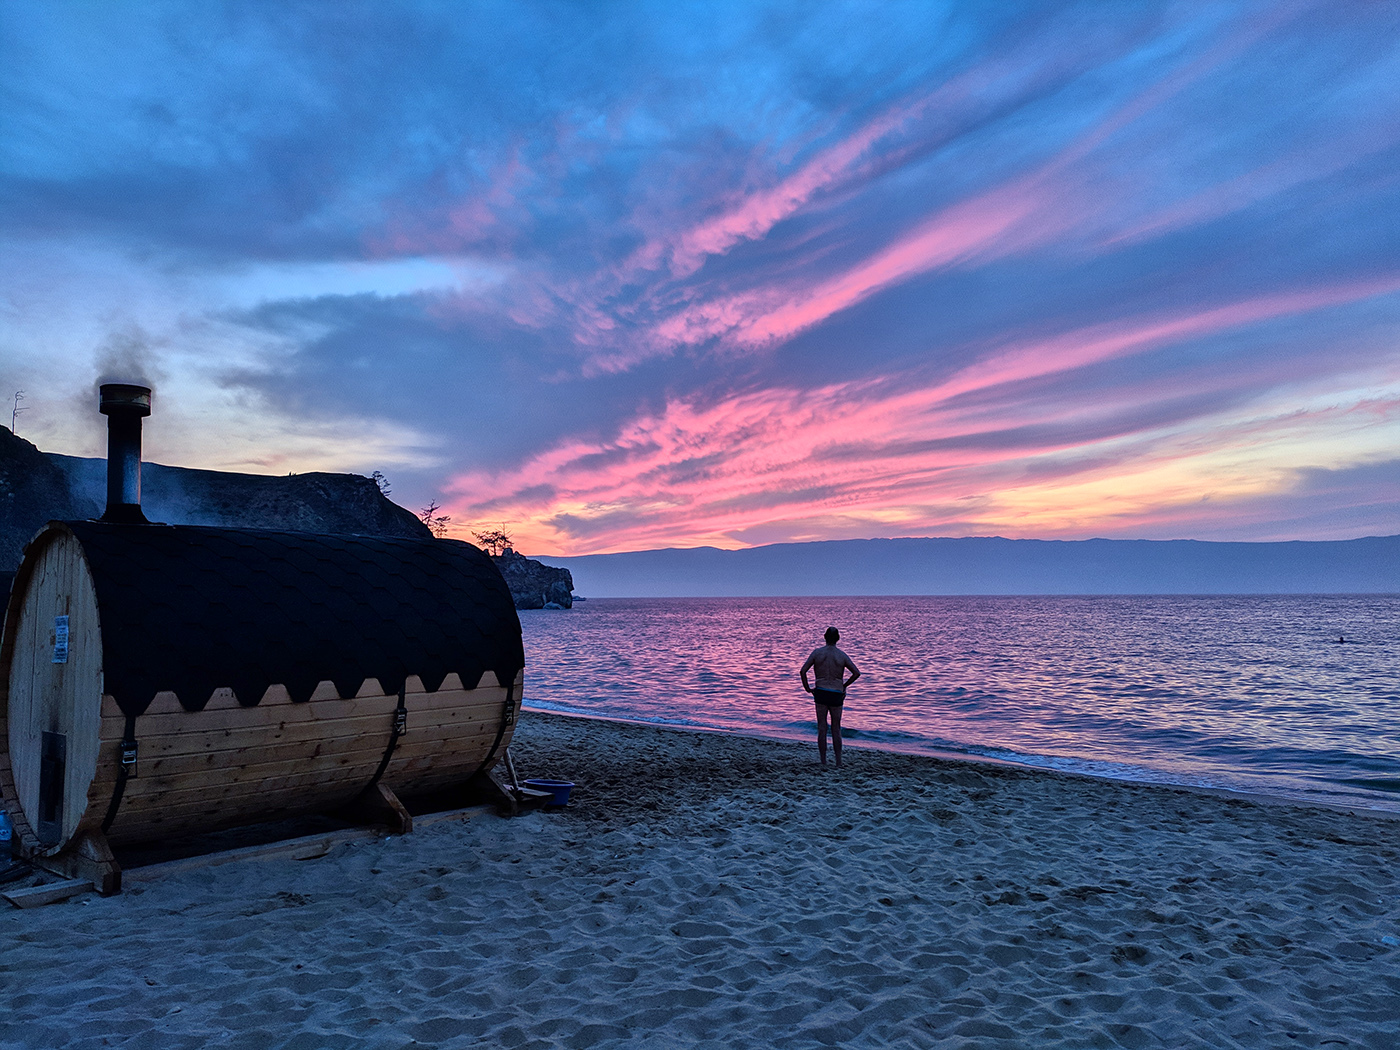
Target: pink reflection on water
pixel 1249 692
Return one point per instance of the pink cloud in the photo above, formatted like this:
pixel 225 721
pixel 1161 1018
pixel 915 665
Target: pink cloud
pixel 871 457
pixel 623 314
pixel 1024 360
pixel 974 228
pixel 479 217
pixel 1023 213
pixel 915 125
pixel 755 215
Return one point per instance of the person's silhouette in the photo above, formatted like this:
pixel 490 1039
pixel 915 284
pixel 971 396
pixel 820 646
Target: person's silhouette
pixel 830 691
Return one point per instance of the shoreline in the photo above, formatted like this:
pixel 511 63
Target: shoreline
pixel 707 889
pixel 944 755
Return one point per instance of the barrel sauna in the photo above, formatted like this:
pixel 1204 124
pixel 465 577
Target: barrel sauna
pixel 158 680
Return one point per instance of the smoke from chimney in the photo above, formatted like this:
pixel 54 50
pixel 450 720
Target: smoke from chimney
pixel 124 405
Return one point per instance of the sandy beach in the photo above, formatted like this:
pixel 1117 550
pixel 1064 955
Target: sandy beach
pixel 711 890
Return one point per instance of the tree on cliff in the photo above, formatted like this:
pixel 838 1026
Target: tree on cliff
pixel 494 542
pixel 436 522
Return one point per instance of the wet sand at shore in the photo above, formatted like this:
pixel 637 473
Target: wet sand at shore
pixel 713 890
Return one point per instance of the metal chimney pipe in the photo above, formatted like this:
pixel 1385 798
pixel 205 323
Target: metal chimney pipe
pixel 125 406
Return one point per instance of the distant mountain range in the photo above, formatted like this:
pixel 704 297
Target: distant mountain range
pixel 992 565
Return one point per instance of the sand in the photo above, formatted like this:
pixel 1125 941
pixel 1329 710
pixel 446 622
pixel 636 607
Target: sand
pixel 711 890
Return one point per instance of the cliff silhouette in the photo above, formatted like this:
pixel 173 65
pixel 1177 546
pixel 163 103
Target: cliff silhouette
pixel 533 584
pixel 37 487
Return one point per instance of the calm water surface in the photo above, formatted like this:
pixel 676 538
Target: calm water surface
pixel 1251 693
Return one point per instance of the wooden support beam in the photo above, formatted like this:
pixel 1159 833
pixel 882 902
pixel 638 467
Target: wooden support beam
pixel 86 857
pixel 489 786
pixel 34 896
pixel 379 805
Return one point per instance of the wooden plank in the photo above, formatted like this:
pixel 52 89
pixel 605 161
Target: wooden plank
pixel 268 759
pixel 262 791
pixel 434 780
pixel 430 773
pixel 175 722
pixel 253 735
pixel 426 703
pixel 269 777
pixel 183 721
pixel 308 847
pixel 282 758
pixel 198 809
pixel 446 714
pixel 83 688
pixel 24 692
pixel 301 770
pixel 35 896
pixel 304 755
pixel 330 736
pixel 197 741
pixel 150 813
pixel 450 749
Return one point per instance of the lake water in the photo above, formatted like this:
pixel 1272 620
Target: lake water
pixel 1250 693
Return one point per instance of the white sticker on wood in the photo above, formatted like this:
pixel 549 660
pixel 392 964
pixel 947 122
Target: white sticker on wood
pixel 60 639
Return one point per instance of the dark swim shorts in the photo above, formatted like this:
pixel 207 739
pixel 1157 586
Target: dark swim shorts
pixel 828 697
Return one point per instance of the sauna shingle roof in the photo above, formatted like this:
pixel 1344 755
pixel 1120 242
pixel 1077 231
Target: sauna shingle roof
pixel 193 609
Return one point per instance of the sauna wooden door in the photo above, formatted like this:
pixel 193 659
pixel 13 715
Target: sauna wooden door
pixel 55 691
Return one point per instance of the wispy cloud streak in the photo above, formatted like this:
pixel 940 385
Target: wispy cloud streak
pixel 905 454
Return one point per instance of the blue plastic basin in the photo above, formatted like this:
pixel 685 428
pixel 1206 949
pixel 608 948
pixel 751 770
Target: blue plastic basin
pixel 558 788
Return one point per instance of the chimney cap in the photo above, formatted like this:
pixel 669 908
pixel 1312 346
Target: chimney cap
pixel 124 398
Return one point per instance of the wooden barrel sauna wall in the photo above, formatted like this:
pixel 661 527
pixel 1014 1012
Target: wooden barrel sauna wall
pixel 158 680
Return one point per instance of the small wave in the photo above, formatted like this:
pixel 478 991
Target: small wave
pixel 1097 768
pixel 1387 784
pixel 879 736
pixel 591 712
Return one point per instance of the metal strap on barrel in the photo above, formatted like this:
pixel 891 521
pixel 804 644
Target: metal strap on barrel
pixel 126 770
pixel 507 720
pixel 400 728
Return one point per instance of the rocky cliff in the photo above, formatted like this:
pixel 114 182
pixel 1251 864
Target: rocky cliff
pixel 533 585
pixel 37 487
pixel 33 490
pixel 339 504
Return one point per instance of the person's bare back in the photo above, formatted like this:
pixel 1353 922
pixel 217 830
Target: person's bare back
pixel 829 664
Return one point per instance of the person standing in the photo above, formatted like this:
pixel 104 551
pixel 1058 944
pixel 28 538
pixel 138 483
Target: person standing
pixel 831 665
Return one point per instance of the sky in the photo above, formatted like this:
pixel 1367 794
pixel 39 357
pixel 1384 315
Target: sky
pixel 621 276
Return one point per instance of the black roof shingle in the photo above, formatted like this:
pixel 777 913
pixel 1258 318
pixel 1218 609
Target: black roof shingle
pixel 192 609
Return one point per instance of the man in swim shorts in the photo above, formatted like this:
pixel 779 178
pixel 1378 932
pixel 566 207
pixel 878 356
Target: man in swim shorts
pixel 829 693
